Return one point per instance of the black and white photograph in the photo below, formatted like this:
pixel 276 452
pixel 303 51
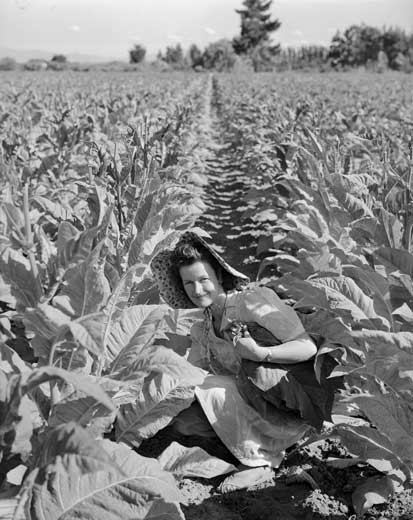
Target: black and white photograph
pixel 206 259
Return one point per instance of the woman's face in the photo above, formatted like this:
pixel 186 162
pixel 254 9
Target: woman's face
pixel 200 283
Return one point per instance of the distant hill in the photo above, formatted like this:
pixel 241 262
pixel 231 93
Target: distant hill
pixel 21 56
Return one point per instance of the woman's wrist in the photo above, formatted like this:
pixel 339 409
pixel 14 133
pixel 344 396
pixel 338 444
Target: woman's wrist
pixel 267 356
pixel 263 355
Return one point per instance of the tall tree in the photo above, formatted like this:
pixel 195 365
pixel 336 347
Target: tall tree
pixel 359 45
pixel 395 42
pixel 256 27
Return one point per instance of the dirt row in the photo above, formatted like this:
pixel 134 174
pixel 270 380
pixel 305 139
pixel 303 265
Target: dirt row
pixel 234 234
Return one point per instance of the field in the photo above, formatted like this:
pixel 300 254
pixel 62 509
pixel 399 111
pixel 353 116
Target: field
pixel 303 182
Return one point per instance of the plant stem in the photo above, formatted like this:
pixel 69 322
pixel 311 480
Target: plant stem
pixel 54 395
pixel 29 243
pixel 408 215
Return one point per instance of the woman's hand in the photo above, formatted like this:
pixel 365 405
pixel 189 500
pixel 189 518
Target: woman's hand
pixel 247 348
pixel 244 345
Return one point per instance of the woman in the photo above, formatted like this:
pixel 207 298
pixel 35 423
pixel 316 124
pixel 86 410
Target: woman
pixel 255 430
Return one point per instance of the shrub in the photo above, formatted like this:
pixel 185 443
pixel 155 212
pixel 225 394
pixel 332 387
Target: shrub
pixel 60 58
pixel 219 56
pixel 57 65
pixel 137 54
pixel 35 65
pixel 8 64
pixel 160 66
pixel 80 67
pixel 174 56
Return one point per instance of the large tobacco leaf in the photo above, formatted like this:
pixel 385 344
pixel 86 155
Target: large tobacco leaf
pixel 393 417
pixel 159 400
pixel 373 491
pixel 378 231
pixel 113 339
pixel 159 359
pixel 333 338
pixel 67 236
pixel 343 293
pixel 340 294
pixel 341 188
pixel 163 384
pixel 192 462
pixel 306 227
pixel 368 445
pixel 393 227
pixel 390 260
pixel 74 247
pixel 144 211
pixel 134 328
pixel 89 413
pixel 376 287
pixel 6 293
pixel 16 272
pixel 84 411
pixel 292 386
pixel 315 262
pixel 13 220
pixel 45 322
pixel 46 252
pixel 304 264
pixel 16 424
pixel 389 357
pixel 87 332
pixel 75 343
pixel 58 444
pixel 178 325
pixel 11 362
pixel 57 210
pixel 19 413
pixel 78 477
pixel 86 288
pixel 180 321
pixel 392 414
pixel 82 383
pixel 181 216
pixel 121 295
pixel 148 242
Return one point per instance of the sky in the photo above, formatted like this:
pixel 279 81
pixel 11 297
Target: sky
pixel 108 28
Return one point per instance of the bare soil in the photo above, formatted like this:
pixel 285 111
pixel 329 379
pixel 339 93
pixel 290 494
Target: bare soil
pixel 281 497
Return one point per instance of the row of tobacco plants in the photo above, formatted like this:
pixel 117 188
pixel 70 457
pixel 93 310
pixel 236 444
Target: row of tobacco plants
pixel 96 177
pixel 332 166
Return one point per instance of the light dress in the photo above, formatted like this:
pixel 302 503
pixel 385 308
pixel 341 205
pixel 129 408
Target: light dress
pixel 253 439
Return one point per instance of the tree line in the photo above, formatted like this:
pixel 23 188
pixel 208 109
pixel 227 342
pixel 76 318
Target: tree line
pixel 358 46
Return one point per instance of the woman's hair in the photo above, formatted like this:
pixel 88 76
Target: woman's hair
pixel 187 254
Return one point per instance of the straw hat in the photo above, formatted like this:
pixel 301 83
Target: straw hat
pixel 166 276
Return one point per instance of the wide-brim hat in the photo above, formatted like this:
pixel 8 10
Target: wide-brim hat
pixel 167 278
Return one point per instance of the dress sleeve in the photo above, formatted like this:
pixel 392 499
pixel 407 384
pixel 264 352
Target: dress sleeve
pixel 263 306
